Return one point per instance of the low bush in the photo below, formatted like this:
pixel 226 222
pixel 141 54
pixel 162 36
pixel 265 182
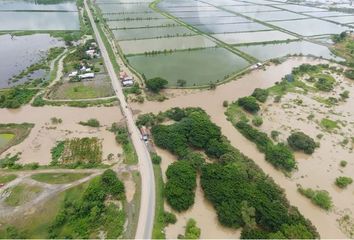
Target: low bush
pixel 156 84
pixel 260 94
pixel 249 104
pixel 257 121
pixel 156 159
pixel 343 182
pixel 169 218
pixel 192 230
pixel 301 141
pixel 91 123
pixel 320 198
pixel 343 163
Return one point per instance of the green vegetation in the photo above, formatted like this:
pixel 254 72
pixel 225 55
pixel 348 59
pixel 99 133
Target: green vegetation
pixel 156 84
pixel 192 230
pixel 84 152
pixel 260 94
pixel 19 132
pixel 328 124
pixel 159 219
pixel 279 155
pixel 21 194
pixel 91 123
pixel 257 121
pixel 93 212
pixel 16 97
pixel 249 104
pixel 343 182
pixel 10 162
pixel 325 83
pixel 156 159
pixel 231 179
pixel 58 178
pixel 122 137
pixel 301 141
pixel 343 163
pixel 349 74
pixel 55 120
pixel 7 178
pixel 320 198
pixel 180 186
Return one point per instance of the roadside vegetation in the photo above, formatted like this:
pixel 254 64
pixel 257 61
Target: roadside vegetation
pixel 58 178
pixel 231 181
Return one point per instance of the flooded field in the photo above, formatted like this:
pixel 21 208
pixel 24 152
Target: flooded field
pixel 155 32
pixel 5 138
pixel 161 44
pixel 310 27
pixel 272 16
pixel 344 19
pixel 270 51
pixel 237 27
pixel 197 67
pixel 140 23
pixel 253 37
pixel 36 147
pixel 22 51
pixel 213 20
pixel 29 15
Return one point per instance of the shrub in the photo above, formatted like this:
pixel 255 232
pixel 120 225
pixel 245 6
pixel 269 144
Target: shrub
pixel 343 163
pixel 192 231
pixel 325 84
pixel 259 138
pixel 156 159
pixel 349 74
pixel 280 156
pixel 225 103
pixel 301 141
pixel 274 135
pixel 180 186
pixel 343 182
pixel 169 218
pixel 260 94
pixel 257 121
pixel 91 123
pixel 320 198
pixel 249 104
pixel 156 84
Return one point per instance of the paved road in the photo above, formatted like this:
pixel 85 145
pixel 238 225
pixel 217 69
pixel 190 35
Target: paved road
pixel 147 203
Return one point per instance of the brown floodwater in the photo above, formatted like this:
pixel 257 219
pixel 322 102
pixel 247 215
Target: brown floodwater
pixel 211 101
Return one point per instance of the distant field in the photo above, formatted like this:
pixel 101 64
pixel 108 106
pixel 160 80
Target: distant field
pixel 269 51
pixel 160 44
pixel 273 16
pixel 141 33
pixel 140 23
pixel 253 37
pixel 199 67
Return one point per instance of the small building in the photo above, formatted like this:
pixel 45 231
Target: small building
pixel 73 74
pixel 88 70
pixel 128 83
pixel 86 75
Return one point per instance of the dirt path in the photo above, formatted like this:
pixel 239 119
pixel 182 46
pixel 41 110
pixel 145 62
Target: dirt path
pixel 211 102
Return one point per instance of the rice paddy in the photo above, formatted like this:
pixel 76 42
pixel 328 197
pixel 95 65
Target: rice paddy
pixel 191 40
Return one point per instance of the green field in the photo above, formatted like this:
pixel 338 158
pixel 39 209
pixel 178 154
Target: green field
pixel 5 138
pixel 21 194
pixel 58 178
pixel 198 67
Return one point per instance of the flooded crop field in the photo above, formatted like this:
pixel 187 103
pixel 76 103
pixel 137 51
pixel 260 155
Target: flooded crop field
pixel 190 65
pixel 19 52
pixel 31 15
pixel 144 27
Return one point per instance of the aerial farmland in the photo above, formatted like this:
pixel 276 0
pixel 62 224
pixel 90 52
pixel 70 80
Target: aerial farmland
pixel 208 42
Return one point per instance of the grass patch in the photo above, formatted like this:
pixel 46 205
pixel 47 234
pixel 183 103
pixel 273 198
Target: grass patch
pixel 158 231
pixel 58 178
pixel 122 137
pixel 328 124
pixel 21 131
pixel 21 194
pixel 7 178
pixel 91 123
pixel 320 198
pixel 36 225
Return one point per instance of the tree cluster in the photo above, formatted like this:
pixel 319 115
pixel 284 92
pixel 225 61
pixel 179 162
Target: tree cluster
pixel 249 104
pixel 301 141
pixel 260 94
pixel 156 84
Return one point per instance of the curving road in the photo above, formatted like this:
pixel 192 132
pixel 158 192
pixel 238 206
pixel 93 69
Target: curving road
pixel 147 203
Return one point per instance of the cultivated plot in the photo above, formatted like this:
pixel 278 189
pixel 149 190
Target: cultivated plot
pixel 162 44
pixel 251 8
pixel 125 8
pixel 214 20
pixel 133 16
pixel 275 16
pixel 199 67
pixel 299 8
pixel 343 20
pixel 270 51
pixel 154 32
pixel 197 14
pixel 253 37
pixel 326 14
pixel 141 23
pixel 310 27
pixel 229 28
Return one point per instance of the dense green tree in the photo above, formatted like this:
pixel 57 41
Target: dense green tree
pixel 301 141
pixel 156 84
pixel 249 104
pixel 260 94
pixel 192 230
pixel 280 156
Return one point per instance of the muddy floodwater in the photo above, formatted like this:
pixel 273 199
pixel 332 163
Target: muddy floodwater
pixel 211 101
pixel 20 52
pixel 44 135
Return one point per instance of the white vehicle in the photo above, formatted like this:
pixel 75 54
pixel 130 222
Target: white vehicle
pixel 86 75
pixel 73 74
